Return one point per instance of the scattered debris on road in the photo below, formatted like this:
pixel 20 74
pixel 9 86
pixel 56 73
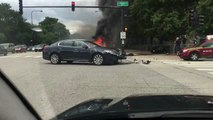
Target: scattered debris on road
pixel 146 62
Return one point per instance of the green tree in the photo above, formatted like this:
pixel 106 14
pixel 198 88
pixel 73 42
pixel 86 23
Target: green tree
pixel 2 38
pixel 205 7
pixel 53 30
pixel 13 25
pixel 162 19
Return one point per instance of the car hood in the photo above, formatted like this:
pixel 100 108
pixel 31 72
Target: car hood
pixel 104 48
pixel 153 103
pixel 194 48
pixel 101 49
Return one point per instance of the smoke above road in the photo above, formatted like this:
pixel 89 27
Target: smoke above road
pixel 109 26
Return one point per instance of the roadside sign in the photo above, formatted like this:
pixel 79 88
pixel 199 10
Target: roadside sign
pixel 122 3
pixel 123 35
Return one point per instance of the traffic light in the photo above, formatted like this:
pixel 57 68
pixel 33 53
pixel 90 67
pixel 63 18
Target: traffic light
pixel 201 19
pixel 192 17
pixel 73 6
pixel 21 7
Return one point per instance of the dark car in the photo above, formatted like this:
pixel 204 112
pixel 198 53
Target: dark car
pixel 159 49
pixel 20 48
pixel 30 48
pixel 3 50
pixel 80 50
pixel 142 107
pixel 205 50
pixel 130 107
pixel 39 47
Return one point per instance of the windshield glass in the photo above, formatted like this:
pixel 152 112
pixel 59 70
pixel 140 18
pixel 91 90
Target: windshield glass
pixel 70 51
pixel 91 44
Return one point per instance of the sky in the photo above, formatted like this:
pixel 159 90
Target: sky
pixel 74 21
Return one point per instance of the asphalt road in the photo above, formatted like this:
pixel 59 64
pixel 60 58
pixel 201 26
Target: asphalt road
pixel 52 89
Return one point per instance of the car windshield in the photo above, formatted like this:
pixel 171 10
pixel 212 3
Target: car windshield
pixel 91 44
pixel 60 53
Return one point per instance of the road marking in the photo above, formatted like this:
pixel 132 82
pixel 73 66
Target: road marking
pixel 205 69
pixel 187 64
pixel 205 66
pixel 201 66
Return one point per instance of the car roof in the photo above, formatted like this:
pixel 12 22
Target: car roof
pixel 74 40
pixel 21 45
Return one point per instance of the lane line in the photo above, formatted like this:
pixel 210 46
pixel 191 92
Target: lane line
pixel 199 66
pixel 210 73
pixel 190 64
pixel 205 69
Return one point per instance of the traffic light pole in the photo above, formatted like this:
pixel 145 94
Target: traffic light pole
pixel 122 29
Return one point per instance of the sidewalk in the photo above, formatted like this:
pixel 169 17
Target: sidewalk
pixel 144 55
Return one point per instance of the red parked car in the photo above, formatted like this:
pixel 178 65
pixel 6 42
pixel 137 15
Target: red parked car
pixel 20 48
pixel 205 50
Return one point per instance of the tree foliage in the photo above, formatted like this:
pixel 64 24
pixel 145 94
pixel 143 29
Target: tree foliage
pixel 205 7
pixel 15 29
pixel 53 30
pixel 13 26
pixel 167 19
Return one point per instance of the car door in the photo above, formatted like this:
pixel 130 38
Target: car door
pixel 82 51
pixel 66 50
pixel 207 50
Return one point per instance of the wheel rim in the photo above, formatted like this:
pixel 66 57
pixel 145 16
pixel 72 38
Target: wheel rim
pixel 194 56
pixel 98 59
pixel 54 59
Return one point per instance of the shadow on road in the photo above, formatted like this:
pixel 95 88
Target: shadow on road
pixel 91 64
pixel 200 60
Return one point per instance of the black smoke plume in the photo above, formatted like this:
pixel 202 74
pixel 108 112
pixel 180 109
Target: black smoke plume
pixel 109 26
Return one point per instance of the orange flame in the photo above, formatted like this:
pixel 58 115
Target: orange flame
pixel 100 41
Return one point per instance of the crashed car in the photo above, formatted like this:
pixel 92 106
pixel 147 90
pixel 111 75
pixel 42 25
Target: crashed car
pixel 80 50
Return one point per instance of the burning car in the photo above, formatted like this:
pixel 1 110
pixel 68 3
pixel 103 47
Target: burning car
pixel 80 50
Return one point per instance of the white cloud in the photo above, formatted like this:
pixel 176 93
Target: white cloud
pixel 74 26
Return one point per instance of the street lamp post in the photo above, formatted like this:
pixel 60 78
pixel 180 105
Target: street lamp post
pixel 32 14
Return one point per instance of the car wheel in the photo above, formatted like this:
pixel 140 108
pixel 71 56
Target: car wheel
pixel 98 59
pixel 194 56
pixel 55 59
